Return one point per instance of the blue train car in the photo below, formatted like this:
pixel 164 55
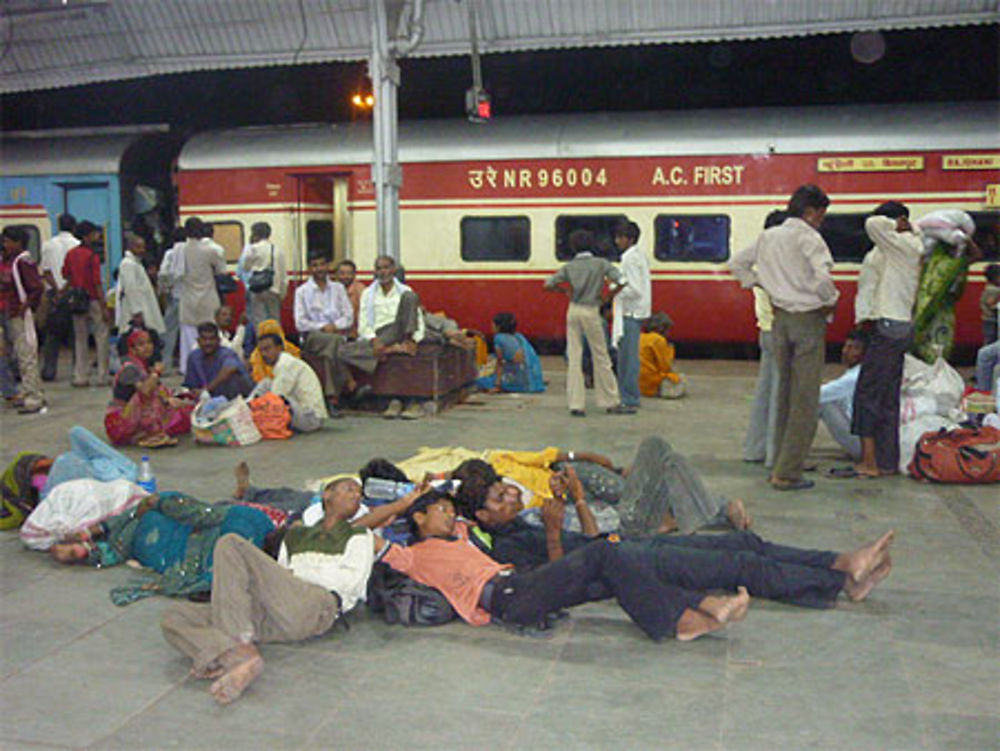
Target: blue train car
pixel 117 178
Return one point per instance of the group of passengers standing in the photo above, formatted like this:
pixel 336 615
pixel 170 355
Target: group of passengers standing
pixel 789 267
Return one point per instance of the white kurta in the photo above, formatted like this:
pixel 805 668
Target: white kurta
pixel 199 300
pixel 135 294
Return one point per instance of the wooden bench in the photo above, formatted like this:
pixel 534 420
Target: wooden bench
pixel 437 373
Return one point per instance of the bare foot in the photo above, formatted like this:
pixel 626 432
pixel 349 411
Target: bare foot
pixel 409 347
pixel 859 591
pixel 236 679
pixel 223 663
pixel 71 552
pixel 866 471
pixel 738 515
pixel 860 563
pixel 242 474
pixel 727 608
pixel 667 525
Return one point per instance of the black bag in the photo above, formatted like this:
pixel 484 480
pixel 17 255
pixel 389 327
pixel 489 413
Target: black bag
pixel 225 284
pixel 78 301
pixel 261 281
pixel 401 600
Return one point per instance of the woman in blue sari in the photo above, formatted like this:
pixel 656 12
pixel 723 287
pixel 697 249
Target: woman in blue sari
pixel 518 366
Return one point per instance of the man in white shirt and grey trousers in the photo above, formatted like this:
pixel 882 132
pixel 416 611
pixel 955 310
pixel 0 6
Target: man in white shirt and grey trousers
pixel 792 263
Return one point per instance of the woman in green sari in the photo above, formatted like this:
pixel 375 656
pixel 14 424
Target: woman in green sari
pixel 942 281
pixel 173 534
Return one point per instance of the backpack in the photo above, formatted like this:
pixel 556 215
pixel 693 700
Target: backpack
pixel 400 599
pixel 962 455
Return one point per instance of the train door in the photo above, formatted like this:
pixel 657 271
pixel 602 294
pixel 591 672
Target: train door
pixel 92 201
pixel 322 219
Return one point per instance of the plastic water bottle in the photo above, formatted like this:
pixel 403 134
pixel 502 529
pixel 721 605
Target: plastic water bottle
pixel 147 480
pixel 390 490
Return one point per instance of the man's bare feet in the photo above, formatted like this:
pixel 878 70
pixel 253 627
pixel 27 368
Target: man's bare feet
pixel 222 664
pixel 713 613
pixel 667 525
pixel 727 608
pixel 859 591
pixel 231 685
pixel 866 471
pixel 860 563
pixel 738 515
pixel 408 347
pixel 242 474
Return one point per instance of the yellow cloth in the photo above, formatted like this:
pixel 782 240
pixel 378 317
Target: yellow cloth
pixel 656 363
pixel 435 461
pixel 529 468
pixel 259 370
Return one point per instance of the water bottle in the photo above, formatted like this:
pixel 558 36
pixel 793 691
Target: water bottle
pixel 147 480
pixel 389 490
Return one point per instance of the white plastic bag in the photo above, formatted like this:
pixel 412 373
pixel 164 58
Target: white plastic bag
pixel 233 426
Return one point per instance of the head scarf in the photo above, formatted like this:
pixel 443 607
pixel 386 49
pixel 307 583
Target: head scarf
pixel 259 369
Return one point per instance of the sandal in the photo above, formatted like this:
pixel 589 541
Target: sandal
pixel 848 473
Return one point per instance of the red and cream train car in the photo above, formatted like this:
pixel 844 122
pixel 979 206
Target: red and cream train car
pixel 486 209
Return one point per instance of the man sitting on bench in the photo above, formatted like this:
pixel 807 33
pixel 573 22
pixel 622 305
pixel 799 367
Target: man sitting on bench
pixel 389 314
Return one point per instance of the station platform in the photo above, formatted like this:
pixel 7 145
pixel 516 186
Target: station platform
pixel 916 666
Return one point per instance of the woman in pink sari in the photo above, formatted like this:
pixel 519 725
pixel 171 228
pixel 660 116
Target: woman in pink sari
pixel 142 410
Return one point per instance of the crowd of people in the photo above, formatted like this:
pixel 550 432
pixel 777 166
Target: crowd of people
pixel 278 564
pixel 510 537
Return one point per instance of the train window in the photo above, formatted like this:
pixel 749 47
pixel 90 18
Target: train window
pixel 230 236
pixel 987 235
pixel 496 238
pixel 34 239
pixel 319 236
pixel 603 227
pixel 845 235
pixel 704 237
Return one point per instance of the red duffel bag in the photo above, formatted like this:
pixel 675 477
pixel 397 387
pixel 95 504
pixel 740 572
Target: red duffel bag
pixel 966 455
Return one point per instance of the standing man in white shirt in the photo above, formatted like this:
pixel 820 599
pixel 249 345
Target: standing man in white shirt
pixel 632 307
pixel 59 320
pixel 792 263
pixel 171 280
pixel 135 293
pixel 199 298
pixel 876 398
pixel 259 257
pixel 323 317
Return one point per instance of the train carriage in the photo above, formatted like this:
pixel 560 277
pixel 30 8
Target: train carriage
pixel 485 210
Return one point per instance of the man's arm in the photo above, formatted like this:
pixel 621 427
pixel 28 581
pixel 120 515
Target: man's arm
pixel 894 236
pixel 381 515
pixel 818 255
pixel 343 310
pixel 585 456
pixel 588 524
pixel 303 323
pixel 558 282
pixel 365 329
pixel 742 263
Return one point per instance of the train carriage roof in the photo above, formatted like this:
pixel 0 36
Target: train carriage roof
pixel 73 151
pixel 777 130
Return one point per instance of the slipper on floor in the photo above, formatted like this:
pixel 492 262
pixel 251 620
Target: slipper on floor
pixel 793 485
pixel 847 473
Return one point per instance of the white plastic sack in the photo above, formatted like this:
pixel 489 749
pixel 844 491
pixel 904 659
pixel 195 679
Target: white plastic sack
pixel 75 505
pixel 930 390
pixel 233 426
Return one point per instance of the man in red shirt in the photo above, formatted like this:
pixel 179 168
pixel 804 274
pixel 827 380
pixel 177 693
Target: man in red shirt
pixel 82 270
pixel 20 293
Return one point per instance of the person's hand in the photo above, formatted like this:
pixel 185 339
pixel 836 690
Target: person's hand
pixel 329 329
pixel 244 319
pixel 407 500
pixel 553 513
pixel 174 402
pixel 573 483
pixel 903 224
pixel 158 368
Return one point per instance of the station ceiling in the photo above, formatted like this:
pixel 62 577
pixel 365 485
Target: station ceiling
pixel 50 44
